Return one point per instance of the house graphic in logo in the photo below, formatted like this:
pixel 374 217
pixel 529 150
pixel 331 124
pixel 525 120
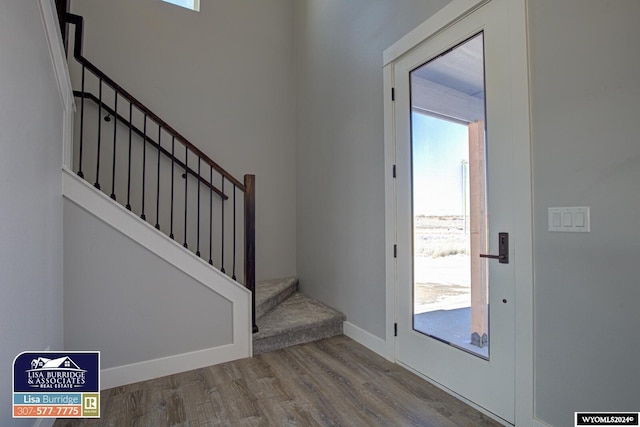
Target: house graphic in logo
pixel 62 363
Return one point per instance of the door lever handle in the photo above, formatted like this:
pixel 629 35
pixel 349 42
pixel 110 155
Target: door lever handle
pixel 503 249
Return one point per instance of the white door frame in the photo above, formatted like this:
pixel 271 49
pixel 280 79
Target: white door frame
pixel 519 89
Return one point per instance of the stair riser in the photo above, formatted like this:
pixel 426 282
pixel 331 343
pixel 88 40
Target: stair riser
pixel 288 339
pixel 269 304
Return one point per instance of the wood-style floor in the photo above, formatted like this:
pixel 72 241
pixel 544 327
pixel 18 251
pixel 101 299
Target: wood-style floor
pixel 333 382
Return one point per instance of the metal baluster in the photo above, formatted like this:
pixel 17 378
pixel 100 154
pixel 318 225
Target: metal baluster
pixel 97 183
pixel 129 166
pixel 173 157
pixel 198 216
pixel 158 180
pixel 233 276
pixel 144 163
pixel 222 230
pixel 210 214
pixel 80 173
pixel 186 175
pixel 113 168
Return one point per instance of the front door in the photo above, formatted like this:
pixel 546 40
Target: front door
pixel 454 151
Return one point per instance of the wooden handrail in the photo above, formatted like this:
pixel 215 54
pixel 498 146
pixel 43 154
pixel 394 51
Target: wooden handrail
pixel 141 134
pixel 77 20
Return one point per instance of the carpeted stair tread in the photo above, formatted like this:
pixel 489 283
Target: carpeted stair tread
pixel 297 312
pixel 297 320
pixel 270 293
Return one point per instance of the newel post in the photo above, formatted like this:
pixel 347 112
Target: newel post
pixel 250 242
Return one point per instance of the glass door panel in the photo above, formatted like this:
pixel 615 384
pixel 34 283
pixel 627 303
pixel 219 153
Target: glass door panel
pixel 449 198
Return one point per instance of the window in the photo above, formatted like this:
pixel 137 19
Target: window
pixel 188 4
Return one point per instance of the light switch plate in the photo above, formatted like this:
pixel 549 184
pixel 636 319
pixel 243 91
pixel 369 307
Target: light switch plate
pixel 570 220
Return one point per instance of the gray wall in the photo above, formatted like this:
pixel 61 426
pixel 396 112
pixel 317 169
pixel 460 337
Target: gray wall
pixel 222 77
pixel 30 188
pixel 340 156
pixel 130 304
pixel 585 63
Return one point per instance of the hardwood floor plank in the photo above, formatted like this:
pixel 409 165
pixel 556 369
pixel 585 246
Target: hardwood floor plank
pixel 333 382
pixel 347 357
pixel 217 408
pixel 345 384
pixel 373 409
pixel 120 405
pixel 175 408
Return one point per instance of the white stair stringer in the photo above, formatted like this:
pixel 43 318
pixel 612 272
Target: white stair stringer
pixel 101 206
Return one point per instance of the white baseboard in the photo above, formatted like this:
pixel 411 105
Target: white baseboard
pixel 150 369
pixel 367 339
pixel 538 423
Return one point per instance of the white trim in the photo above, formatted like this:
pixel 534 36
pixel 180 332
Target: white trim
pixel 442 19
pixel 518 61
pixel 538 423
pixel 367 339
pixel 523 211
pixel 100 205
pixel 149 369
pixel 195 8
pixel 61 71
pixel 56 49
pixel 390 214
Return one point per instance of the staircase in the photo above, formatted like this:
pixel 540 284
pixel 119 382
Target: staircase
pixel 139 161
pixel 285 317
